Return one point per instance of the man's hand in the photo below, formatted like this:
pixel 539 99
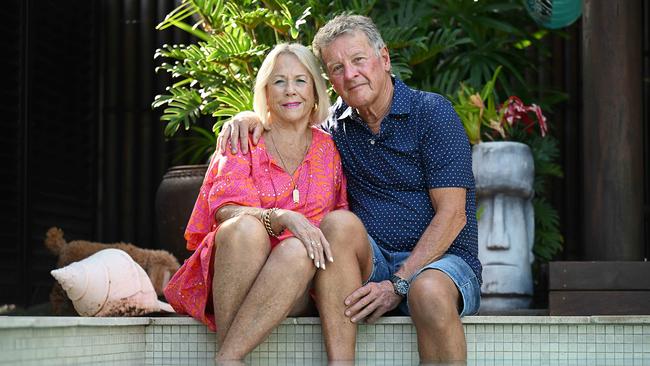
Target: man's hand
pixel 237 130
pixel 371 301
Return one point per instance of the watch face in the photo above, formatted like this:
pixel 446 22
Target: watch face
pixel 401 285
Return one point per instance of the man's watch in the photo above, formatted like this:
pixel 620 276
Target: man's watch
pixel 400 285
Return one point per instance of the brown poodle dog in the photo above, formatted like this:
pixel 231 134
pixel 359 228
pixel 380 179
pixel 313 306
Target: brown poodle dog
pixel 160 265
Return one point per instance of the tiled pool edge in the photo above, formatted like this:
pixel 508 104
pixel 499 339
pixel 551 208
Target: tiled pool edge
pixel 152 340
pixel 7 322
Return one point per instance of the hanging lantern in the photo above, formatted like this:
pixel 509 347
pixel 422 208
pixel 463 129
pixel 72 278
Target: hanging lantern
pixel 554 14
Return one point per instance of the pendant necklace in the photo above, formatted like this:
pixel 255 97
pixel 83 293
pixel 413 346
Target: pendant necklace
pixel 295 193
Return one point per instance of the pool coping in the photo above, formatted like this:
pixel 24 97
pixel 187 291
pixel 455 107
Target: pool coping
pixel 8 322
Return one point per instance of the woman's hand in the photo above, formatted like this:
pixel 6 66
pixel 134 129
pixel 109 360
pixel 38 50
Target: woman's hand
pixel 236 131
pixel 318 248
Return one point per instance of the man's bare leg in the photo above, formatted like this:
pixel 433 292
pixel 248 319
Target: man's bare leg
pixel 352 265
pixel 241 249
pixel 433 303
pixel 280 285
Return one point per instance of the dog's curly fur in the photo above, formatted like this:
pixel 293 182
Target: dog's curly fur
pixel 160 265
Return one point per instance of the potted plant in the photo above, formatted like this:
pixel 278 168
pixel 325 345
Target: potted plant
pixel 511 161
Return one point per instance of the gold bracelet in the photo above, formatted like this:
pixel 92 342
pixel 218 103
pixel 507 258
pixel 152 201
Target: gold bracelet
pixel 266 220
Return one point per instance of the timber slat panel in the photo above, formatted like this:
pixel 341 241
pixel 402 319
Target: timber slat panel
pixel 599 276
pixel 599 303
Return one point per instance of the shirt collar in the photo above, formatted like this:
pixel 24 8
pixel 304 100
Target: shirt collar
pixel 400 105
pixel 402 96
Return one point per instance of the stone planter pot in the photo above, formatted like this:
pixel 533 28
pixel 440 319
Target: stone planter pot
pixel 174 203
pixel 504 173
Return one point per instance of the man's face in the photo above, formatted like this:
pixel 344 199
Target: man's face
pixel 356 72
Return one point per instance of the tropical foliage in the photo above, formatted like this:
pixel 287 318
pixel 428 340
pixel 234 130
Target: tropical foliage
pixel 435 45
pixel 213 77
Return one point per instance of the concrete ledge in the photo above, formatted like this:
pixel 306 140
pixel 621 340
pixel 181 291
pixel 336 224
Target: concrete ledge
pixel 71 321
pixel 55 322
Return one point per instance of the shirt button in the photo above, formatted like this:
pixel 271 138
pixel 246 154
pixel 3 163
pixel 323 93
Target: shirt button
pixel 372 141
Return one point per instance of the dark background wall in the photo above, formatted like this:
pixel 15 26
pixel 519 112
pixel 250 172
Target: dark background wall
pixel 49 142
pixel 82 149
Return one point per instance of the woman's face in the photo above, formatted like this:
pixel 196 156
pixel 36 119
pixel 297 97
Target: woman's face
pixel 290 91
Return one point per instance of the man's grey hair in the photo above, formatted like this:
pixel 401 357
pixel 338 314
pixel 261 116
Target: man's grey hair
pixel 347 24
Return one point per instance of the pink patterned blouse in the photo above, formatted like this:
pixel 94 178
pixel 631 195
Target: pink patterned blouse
pixel 254 180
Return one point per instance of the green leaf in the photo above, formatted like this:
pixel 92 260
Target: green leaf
pixel 228 101
pixel 192 30
pixel 183 11
pixel 183 107
pixel 548 240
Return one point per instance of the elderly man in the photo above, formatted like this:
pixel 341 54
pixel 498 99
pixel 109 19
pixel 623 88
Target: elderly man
pixel 411 244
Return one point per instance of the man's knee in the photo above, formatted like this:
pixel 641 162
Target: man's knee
pixel 434 296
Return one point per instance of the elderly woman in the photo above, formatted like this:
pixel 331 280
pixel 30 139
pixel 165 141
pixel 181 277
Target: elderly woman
pixel 254 227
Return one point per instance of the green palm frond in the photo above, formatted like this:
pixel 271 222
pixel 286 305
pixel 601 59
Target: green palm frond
pixel 234 45
pixel 360 7
pixel 247 19
pixel 176 18
pixel 286 18
pixel 204 13
pixel 211 13
pixel 439 41
pixel 183 107
pixel 545 154
pixel 191 64
pixel 185 10
pixel 548 240
pixel 398 38
pixel 400 67
pixel 230 100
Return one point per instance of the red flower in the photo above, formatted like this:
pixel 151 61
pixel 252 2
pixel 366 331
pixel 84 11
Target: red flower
pixel 514 110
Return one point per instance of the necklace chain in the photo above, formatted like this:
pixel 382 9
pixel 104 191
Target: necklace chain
pixel 296 192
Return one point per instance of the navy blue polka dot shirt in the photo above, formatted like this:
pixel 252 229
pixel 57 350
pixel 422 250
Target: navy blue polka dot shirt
pixel 421 145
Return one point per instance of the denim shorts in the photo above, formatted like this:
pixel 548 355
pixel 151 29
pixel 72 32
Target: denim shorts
pixel 385 263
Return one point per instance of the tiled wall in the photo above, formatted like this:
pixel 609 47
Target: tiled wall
pixel 73 345
pixel 190 344
pixel 301 342
pixel 560 342
pixel 182 341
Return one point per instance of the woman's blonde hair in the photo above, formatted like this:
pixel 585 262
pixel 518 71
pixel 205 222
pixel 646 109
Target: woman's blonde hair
pixel 310 62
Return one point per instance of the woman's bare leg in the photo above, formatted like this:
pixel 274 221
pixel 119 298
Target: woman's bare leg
pixel 352 265
pixel 241 249
pixel 281 284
